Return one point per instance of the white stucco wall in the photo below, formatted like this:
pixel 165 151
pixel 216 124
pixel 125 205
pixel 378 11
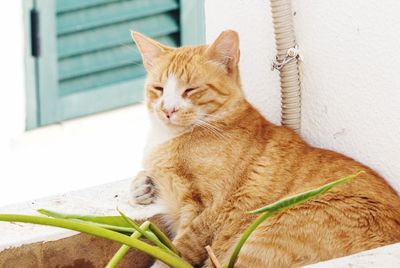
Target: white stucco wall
pixel 12 107
pixel 350 73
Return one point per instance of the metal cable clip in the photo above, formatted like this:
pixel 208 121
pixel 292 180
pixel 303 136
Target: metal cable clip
pixel 291 54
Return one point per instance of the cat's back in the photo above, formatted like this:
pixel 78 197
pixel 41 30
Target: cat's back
pixel 319 166
pixel 300 167
pixel 360 215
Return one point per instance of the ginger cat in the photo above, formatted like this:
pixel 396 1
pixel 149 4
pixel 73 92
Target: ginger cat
pixel 212 156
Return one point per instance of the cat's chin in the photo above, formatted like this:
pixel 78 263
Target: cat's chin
pixel 176 126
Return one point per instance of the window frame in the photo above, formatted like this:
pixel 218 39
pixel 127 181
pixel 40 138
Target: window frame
pixel 44 106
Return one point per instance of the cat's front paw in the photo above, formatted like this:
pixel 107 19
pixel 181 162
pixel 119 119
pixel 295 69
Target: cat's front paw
pixel 143 191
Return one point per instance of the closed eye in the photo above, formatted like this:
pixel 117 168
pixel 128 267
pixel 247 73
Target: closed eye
pixel 161 89
pixel 188 90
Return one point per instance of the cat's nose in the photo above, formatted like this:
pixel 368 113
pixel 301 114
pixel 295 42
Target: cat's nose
pixel 169 111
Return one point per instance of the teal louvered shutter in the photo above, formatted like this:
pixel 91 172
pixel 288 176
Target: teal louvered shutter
pixel 88 62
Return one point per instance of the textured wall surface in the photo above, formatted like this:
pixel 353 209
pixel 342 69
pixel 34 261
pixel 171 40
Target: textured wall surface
pixel 254 24
pixel 350 73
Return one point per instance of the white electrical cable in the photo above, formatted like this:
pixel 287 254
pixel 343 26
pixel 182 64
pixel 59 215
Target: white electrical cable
pixel 287 63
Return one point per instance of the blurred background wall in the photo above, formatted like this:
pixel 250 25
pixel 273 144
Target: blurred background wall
pixel 61 157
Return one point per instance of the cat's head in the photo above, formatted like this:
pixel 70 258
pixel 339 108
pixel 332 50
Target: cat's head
pixel 188 86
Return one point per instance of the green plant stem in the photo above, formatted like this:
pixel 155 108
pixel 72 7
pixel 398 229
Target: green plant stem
pixel 246 235
pixel 115 223
pixel 294 200
pixel 124 248
pixel 163 238
pixel 108 226
pixel 110 220
pixel 153 251
pixel 150 236
pixel 282 205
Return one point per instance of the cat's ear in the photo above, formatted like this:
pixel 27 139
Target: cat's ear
pixel 225 50
pixel 149 48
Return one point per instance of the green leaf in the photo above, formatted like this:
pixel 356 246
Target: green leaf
pixel 88 228
pixel 163 238
pixel 300 198
pixel 116 223
pixel 149 235
pixel 282 205
pixel 245 236
pixel 110 220
pixel 124 248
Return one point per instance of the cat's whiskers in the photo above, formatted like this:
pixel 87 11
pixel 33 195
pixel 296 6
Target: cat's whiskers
pixel 201 125
pixel 191 133
pixel 212 128
pixel 210 122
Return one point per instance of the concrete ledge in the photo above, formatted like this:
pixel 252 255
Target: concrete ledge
pixel 99 200
pixel 387 256
pixel 28 245
pixel 78 251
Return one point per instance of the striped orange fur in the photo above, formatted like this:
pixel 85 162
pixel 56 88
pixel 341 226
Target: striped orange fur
pixel 223 158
